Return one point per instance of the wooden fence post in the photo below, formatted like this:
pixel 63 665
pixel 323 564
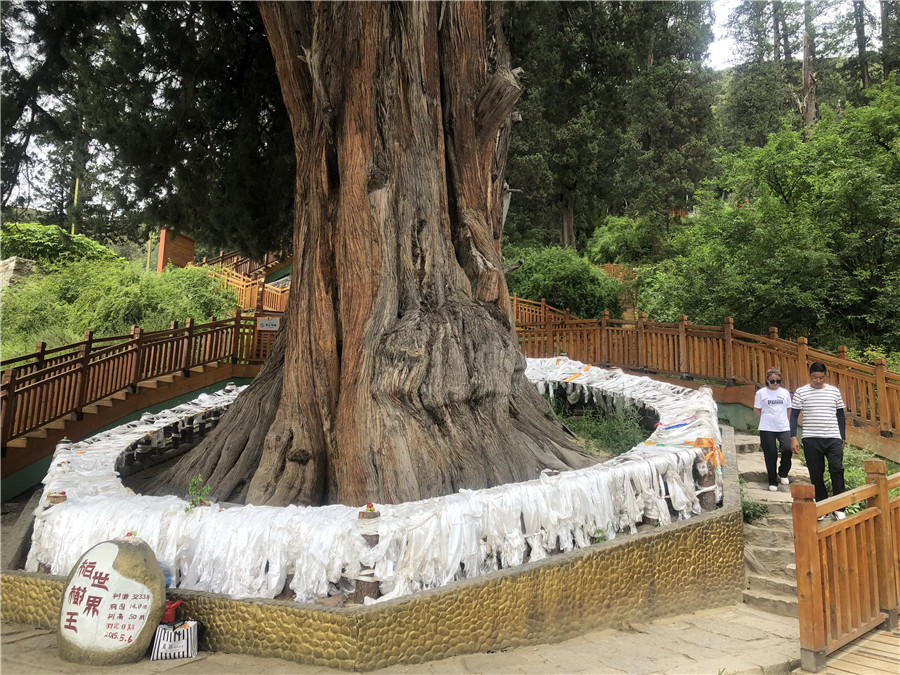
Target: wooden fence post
pixel 8 409
pixel 235 336
pixel 682 346
pixel 884 542
pixel 811 604
pixel 641 360
pixel 604 336
pixel 773 332
pixel 515 308
pixel 260 290
pixel 39 350
pixel 802 365
pixel 548 350
pixel 84 359
pixel 137 337
pixel 728 327
pixel 882 401
pixel 187 346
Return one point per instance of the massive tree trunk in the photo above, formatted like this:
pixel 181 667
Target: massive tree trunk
pixel 402 377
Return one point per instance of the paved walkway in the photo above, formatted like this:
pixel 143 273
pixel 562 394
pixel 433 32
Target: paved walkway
pixel 735 639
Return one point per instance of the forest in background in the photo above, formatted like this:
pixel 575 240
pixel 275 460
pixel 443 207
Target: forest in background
pixel 767 192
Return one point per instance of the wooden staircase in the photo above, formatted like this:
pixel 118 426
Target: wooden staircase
pixel 41 442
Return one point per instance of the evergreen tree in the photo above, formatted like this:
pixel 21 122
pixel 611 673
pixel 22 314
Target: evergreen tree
pixel 170 111
pixel 613 88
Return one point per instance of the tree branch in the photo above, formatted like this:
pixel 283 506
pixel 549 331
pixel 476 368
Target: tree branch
pixel 495 103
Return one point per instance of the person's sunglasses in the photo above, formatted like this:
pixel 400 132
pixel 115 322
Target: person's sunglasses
pixel 774 381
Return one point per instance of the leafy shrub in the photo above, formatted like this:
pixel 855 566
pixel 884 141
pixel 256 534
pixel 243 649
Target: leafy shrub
pixel 566 281
pixel 49 244
pixel 106 297
pixel 621 240
pixel 752 510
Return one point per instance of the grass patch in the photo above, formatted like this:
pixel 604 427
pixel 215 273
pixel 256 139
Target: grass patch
pixel 602 433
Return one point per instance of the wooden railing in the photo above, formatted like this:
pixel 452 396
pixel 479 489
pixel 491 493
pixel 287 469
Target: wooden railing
pixel 242 265
pixel 57 381
pixel 529 311
pixel 253 293
pixel 848 571
pixel 49 384
pixel 721 353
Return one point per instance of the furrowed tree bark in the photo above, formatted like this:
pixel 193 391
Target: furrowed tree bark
pixel 402 376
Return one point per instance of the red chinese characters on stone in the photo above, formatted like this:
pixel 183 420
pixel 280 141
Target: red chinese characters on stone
pixel 76 595
pixel 93 602
pixel 71 619
pixel 86 569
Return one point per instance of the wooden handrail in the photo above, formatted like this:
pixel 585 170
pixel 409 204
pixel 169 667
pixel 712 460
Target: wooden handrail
pixel 847 570
pixel 682 349
pixel 34 396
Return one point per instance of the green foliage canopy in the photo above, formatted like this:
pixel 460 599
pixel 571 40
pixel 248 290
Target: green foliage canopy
pixel 807 240
pixel 59 305
pixel 169 114
pixel 48 243
pixel 616 113
pixel 566 281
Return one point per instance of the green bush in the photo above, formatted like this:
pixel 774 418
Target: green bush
pixel 752 510
pixel 107 297
pixel 49 244
pixel 566 281
pixel 621 240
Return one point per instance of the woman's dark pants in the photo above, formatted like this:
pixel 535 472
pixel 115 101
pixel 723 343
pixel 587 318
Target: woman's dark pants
pixel 770 440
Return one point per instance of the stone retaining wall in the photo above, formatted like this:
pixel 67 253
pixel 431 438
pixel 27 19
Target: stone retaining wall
pixel 690 565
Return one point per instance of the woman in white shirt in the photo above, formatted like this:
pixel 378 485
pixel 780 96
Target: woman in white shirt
pixel 772 406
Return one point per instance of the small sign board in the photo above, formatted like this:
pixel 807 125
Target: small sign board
pixel 268 322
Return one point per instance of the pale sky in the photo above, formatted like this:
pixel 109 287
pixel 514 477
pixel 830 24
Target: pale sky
pixel 721 51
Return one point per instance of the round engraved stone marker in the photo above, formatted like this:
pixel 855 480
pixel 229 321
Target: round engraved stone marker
pixel 112 603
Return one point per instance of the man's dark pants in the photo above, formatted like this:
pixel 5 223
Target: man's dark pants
pixel 817 451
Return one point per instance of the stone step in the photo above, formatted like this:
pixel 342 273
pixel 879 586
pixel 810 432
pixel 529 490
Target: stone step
pixel 746 443
pixel 761 476
pixel 778 503
pixel 752 468
pixel 780 535
pixel 779 586
pixel 779 521
pixel 772 560
pixel 773 604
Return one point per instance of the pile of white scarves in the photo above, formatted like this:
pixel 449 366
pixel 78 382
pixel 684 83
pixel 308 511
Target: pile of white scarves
pixel 249 551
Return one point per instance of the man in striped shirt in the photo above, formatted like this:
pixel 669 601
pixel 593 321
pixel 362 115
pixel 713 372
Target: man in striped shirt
pixel 824 431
